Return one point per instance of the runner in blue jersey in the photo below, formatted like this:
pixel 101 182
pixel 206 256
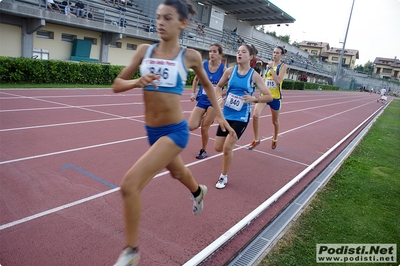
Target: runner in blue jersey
pixel 203 113
pixel 163 69
pixel 242 80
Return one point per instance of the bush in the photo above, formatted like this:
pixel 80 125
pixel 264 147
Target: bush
pixel 33 71
pixel 28 70
pixel 299 85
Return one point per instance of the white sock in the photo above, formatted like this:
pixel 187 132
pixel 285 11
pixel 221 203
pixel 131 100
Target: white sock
pixel 223 176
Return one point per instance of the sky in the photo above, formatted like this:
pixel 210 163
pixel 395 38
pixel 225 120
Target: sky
pixel 374 26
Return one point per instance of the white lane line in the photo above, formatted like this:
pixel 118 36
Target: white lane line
pixel 141 116
pixel 120 141
pixel 26 219
pixel 71 123
pixel 60 208
pixel 221 240
pixel 77 107
pixel 71 150
pixel 68 107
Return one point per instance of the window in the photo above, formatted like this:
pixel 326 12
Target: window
pixel 115 44
pixel 45 34
pixel 314 52
pixel 335 58
pixel 41 54
pixel 386 70
pixel 92 40
pixel 67 37
pixel 131 46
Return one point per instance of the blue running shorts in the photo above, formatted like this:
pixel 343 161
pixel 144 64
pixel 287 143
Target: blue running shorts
pixel 203 103
pixel 275 104
pixel 179 133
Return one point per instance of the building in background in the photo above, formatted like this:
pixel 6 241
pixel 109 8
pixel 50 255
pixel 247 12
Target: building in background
pixel 387 68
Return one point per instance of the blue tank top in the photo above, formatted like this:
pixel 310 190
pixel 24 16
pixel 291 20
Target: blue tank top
pixel 214 77
pixel 238 85
pixel 173 72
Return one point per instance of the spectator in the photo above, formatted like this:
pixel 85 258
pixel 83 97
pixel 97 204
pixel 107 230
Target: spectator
pixel 200 30
pixel 90 14
pixel 240 40
pixel 51 4
pixel 80 9
pixel 113 2
pixel 234 32
pixel 125 2
pixel 68 10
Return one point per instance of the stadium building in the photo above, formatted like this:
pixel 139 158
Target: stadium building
pixel 111 33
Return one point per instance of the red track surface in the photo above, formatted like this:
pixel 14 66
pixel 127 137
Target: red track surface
pixel 54 143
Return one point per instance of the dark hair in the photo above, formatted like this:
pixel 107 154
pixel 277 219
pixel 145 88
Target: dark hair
pixel 252 49
pixel 183 8
pixel 284 51
pixel 220 50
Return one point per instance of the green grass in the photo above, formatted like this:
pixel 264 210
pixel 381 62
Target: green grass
pixel 359 205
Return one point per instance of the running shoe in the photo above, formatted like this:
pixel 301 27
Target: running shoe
pixel 128 257
pixel 202 154
pixel 198 202
pixel 273 145
pixel 221 183
pixel 254 144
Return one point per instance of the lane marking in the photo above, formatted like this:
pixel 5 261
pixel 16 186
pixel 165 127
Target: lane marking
pixel 126 140
pixel 211 248
pixel 71 123
pixel 29 218
pixel 77 107
pixel 65 206
pixel 71 150
pixel 68 107
pixel 60 208
pixel 141 116
pixel 65 167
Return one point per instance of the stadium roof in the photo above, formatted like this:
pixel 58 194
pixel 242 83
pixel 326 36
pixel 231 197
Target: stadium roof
pixel 255 12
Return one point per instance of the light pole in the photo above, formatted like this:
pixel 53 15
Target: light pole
pixel 343 47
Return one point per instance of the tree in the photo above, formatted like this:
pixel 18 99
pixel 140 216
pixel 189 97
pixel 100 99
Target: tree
pixel 296 44
pixel 369 67
pixel 359 68
pixel 366 68
pixel 285 38
pixel 272 33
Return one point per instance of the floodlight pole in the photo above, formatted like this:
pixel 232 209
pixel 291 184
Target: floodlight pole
pixel 343 47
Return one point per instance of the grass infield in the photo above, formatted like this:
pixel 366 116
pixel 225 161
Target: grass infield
pixel 359 205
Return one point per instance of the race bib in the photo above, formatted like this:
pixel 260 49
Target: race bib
pixel 270 83
pixel 167 69
pixel 234 102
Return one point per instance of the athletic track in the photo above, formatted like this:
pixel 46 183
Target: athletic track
pixel 63 153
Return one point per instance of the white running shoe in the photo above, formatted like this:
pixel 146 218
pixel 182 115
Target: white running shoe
pixel 128 257
pixel 198 202
pixel 221 183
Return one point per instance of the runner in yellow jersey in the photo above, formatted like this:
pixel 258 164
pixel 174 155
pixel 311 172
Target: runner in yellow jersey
pixel 273 79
